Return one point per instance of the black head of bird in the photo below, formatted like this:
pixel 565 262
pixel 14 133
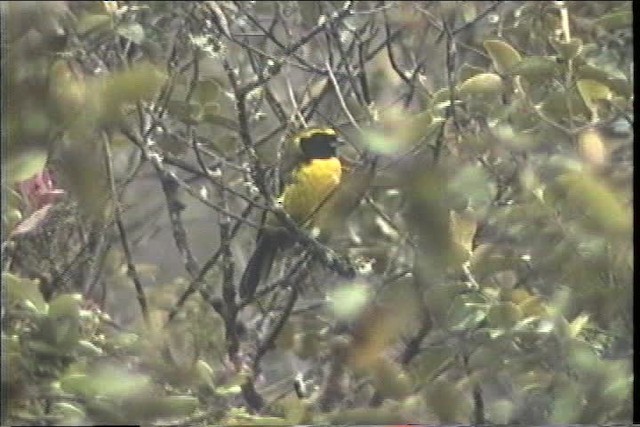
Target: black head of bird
pixel 318 143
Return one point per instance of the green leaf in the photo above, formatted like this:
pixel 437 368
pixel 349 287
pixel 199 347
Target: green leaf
pixel 66 305
pixel 66 333
pixel 140 82
pixel 93 22
pixel 381 143
pixel 449 402
pixel 390 380
pixel 132 31
pixel 616 20
pixel 377 416
pixel 429 363
pixel 601 208
pixel 189 113
pixel 175 406
pixel 499 411
pixel 310 12
pixel 207 91
pixel 108 382
pixel 211 110
pixel 205 373
pixel 567 404
pixel 567 50
pixel 441 98
pixel 504 315
pixel 79 384
pixel 22 289
pixel 348 301
pixel 71 413
pixel 469 11
pixel 24 164
pixel 504 56
pixel 536 68
pixel 482 84
pixel 592 91
pixel 471 187
pixel 466 72
pixel 88 349
pixel 466 312
pixel 230 390
pixel 46 349
pixel 617 84
pixel 222 121
pixel 562 104
pixel 12 218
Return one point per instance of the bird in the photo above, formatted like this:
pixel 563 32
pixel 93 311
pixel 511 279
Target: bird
pixel 306 199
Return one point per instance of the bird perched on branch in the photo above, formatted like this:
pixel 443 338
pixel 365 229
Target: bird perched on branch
pixel 307 199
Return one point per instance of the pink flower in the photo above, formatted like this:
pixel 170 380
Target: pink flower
pixel 39 194
pixel 39 191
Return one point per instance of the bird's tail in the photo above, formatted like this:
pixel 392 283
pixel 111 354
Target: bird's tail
pixel 259 265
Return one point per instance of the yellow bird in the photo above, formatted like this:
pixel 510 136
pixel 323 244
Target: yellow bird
pixel 313 181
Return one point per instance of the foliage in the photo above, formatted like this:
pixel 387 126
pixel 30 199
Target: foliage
pixel 479 265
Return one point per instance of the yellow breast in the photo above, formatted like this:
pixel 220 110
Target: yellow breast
pixel 312 188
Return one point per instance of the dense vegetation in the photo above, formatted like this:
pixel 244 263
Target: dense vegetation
pixel 481 269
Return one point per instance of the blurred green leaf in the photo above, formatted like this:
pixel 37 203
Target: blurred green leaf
pixel 442 97
pixel 596 202
pixel 618 84
pixel 616 20
pixel 65 305
pixel 466 312
pixel 205 373
pixel 107 381
pixel 174 406
pixel 89 349
pixel 71 413
pixel 503 55
pixel 20 289
pixel 563 105
pixel 375 416
pixel 207 91
pixel 447 401
pixel 466 72
pixel 567 405
pixel 222 121
pixel 310 12
pixel 11 218
pixel 430 363
pixel 592 148
pixel 482 84
pixel 500 411
pixel 46 349
pixel 93 22
pixel 381 143
pixel 348 301
pixel 471 188
pixel 140 82
pixel 567 50
pixel 504 315
pixel 536 68
pixel 189 113
pixel 469 11
pixel 592 91
pixel 132 31
pixel 21 165
pixel 390 380
pixel 231 390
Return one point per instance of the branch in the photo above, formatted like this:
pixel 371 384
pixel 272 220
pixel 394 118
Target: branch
pixel 131 268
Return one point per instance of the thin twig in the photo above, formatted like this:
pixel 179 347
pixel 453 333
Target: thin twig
pixel 131 268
